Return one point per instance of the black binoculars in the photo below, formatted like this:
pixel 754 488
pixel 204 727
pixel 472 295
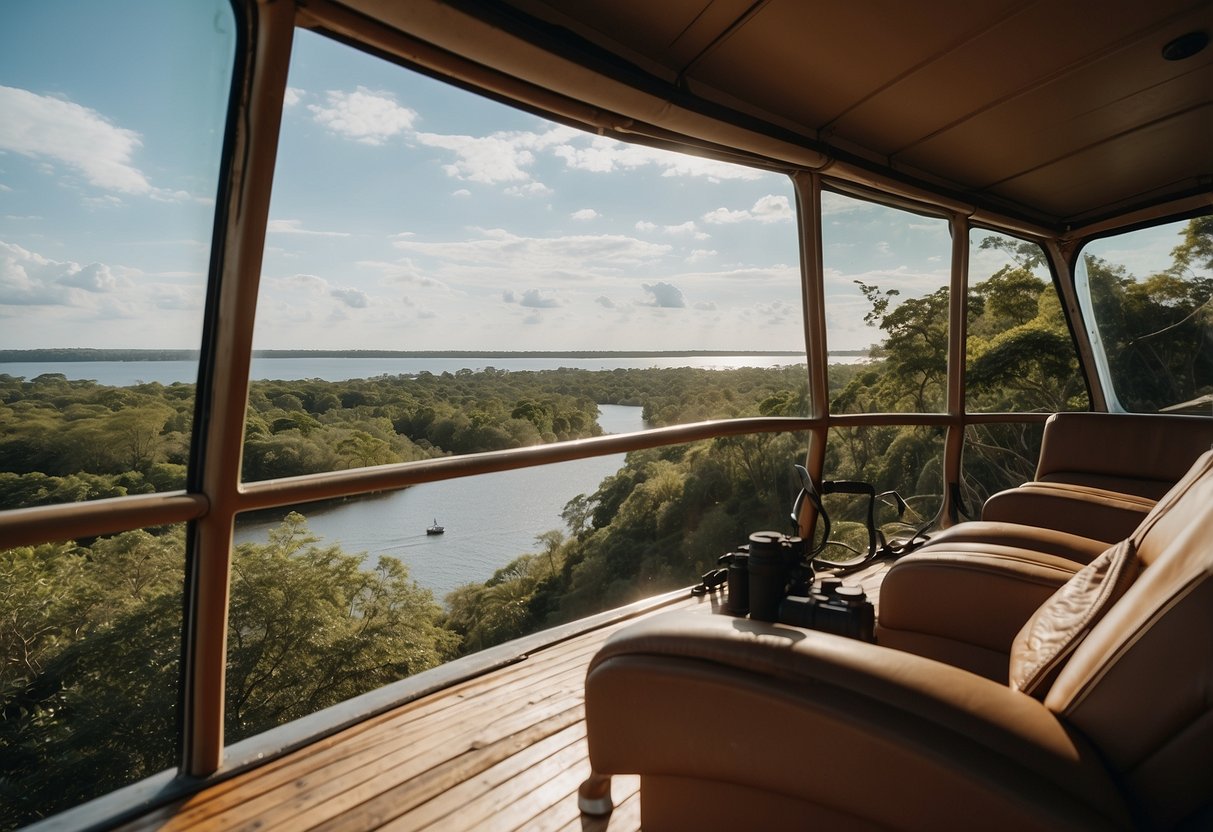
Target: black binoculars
pixel 833 608
pixel 771 579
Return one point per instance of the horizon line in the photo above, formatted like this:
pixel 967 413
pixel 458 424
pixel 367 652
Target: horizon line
pixel 69 354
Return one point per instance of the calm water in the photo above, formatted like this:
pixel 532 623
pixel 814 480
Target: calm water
pixel 490 519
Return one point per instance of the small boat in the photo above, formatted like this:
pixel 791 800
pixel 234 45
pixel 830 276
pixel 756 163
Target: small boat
pixel 435 529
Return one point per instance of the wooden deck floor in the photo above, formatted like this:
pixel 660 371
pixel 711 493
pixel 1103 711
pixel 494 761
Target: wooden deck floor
pixel 502 751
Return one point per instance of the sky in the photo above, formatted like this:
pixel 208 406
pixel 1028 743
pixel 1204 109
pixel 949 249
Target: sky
pixel 406 214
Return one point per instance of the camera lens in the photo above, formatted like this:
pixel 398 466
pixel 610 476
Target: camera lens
pixel 768 573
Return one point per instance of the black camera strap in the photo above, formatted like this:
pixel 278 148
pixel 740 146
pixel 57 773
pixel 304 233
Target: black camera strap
pixel 878 546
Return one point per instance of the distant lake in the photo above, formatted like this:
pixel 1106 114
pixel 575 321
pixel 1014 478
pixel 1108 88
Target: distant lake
pixel 126 373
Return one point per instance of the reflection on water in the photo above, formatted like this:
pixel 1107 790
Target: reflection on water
pixel 490 519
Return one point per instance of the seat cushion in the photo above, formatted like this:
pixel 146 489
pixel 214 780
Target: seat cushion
pixel 963 601
pixel 1081 510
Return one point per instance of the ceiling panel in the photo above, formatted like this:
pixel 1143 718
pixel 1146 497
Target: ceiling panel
pixel 1099 178
pixel 811 62
pixel 1025 50
pixel 1053 123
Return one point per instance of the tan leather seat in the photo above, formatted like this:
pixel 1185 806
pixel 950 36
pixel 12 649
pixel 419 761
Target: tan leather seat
pixel 1099 474
pixel 963 597
pixel 1107 722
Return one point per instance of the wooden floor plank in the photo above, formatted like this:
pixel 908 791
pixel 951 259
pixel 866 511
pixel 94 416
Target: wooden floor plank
pixel 557 797
pixel 327 755
pixel 445 788
pixel 321 797
pixel 485 811
pixel 361 760
pixel 502 751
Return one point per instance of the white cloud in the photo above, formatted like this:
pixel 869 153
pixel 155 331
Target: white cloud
pixel 99 302
pixel 500 157
pixel 529 189
pixel 665 295
pixel 602 155
pixel 701 254
pixel 575 253
pixel 366 116
pixel 687 227
pixel 46 128
pixel 766 209
pixel 292 96
pixel 403 271
pixel 95 277
pixel 507 296
pixel 462 192
pixel 296 227
pixel 646 226
pixel 832 204
pixel 309 283
pixel 103 201
pixel 605 302
pixel 29 279
pixel 488 159
pixel 723 216
pixel 706 306
pixel 353 298
pixel 585 214
pixel 912 283
pixel 533 299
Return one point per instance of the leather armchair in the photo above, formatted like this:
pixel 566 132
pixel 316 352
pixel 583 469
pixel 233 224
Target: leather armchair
pixel 1099 474
pixel 1106 722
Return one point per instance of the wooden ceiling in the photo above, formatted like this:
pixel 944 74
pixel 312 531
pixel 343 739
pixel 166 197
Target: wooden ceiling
pixel 1059 111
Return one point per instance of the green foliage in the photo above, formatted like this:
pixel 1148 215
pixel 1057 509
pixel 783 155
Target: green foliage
pixel 91 641
pixel 311 626
pixel 1158 332
pixel 92 705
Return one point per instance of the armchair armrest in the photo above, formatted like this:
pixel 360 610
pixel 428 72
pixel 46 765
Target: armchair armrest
pixel 1075 509
pixel 818 726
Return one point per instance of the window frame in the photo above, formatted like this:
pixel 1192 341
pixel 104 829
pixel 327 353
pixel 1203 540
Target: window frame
pixel 215 493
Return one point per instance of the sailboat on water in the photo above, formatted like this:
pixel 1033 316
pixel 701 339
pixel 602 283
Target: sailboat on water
pixel 435 529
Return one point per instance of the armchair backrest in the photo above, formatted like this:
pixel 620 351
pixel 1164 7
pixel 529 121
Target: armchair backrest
pixel 1139 684
pixel 1128 453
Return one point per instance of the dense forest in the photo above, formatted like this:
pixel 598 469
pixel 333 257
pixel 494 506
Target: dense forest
pixel 90 629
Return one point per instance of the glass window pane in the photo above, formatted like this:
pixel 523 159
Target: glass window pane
pixel 109 159
pixel 342 598
pixel 886 293
pixel 997 457
pixel 1020 356
pixel 1148 293
pixel 458 252
pixel 91 649
pixel 110 140
pixel 902 458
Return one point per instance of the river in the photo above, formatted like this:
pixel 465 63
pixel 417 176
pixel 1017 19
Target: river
pixel 489 519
